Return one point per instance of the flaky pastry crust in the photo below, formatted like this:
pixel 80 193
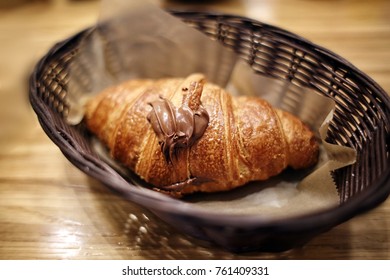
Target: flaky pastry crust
pixel 246 139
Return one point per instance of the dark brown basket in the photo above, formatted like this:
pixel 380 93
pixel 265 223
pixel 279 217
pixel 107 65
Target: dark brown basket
pixel 361 121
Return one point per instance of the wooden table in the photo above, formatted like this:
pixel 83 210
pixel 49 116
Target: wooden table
pixel 51 210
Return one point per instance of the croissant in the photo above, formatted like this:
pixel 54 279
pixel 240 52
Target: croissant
pixel 186 135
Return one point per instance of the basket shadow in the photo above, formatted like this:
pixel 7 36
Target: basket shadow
pixel 120 229
pixel 139 234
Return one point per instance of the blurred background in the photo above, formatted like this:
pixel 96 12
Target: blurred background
pixel 41 219
pixel 356 29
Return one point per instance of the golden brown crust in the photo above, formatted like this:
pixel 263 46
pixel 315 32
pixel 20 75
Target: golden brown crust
pixel 302 145
pixel 246 138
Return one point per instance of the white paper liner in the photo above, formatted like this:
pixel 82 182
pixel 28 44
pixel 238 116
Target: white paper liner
pixel 139 40
pixel 136 39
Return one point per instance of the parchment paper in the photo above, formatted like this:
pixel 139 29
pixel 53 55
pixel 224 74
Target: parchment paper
pixel 137 39
pixel 292 192
pixel 134 39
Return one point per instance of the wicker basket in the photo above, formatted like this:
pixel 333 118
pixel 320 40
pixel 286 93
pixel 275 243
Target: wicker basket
pixel 361 121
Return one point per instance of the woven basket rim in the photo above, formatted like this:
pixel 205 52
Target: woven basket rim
pixel 335 215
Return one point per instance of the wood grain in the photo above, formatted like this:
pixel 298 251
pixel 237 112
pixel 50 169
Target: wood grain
pixel 51 210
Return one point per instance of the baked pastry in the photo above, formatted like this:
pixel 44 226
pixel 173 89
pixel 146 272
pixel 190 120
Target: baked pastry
pixel 185 135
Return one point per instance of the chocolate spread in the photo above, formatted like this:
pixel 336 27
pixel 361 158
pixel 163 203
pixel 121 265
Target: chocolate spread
pixel 179 127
